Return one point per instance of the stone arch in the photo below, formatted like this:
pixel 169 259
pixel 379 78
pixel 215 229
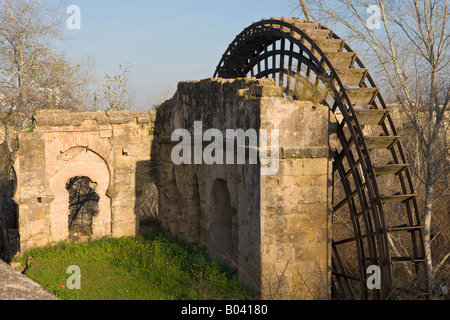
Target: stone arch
pixel 89 141
pixel 63 148
pixel 223 242
pixel 83 163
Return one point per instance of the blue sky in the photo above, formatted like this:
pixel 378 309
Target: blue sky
pixel 165 41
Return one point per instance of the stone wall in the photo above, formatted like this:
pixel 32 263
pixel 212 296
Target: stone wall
pixel 216 207
pixel 274 229
pixel 111 149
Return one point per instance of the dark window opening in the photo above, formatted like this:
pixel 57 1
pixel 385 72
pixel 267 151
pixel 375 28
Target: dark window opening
pixel 83 205
pixel 9 232
pixel 223 236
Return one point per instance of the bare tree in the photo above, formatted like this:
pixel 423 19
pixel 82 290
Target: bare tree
pixel 34 74
pixel 116 94
pixel 408 47
pixel 155 100
pixel 305 10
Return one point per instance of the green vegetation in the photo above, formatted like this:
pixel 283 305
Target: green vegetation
pixel 29 128
pixel 147 267
pixel 305 90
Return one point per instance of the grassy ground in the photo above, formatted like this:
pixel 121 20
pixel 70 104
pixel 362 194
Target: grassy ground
pixel 147 267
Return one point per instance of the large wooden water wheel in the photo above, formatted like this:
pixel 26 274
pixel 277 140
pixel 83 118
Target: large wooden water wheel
pixel 376 221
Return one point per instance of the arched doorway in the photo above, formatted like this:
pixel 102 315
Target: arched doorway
pixel 80 201
pixel 83 204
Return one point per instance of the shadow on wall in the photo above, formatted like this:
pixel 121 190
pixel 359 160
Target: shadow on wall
pixel 147 194
pixel 215 207
pixel 83 204
pixel 9 236
pixel 147 177
pixel 222 245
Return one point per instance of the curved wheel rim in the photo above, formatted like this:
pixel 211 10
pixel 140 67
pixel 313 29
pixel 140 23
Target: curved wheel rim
pixel 261 51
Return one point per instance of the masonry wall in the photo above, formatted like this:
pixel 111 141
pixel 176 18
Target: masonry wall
pixel 296 204
pixel 192 195
pixel 280 224
pixel 111 149
pixel 274 229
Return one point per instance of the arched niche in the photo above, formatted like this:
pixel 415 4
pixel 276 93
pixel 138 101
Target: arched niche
pixel 222 245
pixel 83 163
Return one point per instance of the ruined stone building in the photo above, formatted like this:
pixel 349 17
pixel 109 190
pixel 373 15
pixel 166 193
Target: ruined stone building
pixel 301 216
pixel 271 227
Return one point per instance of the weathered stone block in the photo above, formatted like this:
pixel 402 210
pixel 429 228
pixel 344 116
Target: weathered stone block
pixel 266 91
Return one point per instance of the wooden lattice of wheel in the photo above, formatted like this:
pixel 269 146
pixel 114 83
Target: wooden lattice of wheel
pixel 376 221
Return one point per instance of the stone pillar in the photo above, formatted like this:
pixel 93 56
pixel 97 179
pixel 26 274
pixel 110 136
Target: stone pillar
pixel 132 141
pixel 33 202
pixel 296 204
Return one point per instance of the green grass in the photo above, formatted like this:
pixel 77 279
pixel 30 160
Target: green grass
pixel 147 267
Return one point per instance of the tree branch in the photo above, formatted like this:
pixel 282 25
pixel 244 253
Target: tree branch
pixel 440 264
